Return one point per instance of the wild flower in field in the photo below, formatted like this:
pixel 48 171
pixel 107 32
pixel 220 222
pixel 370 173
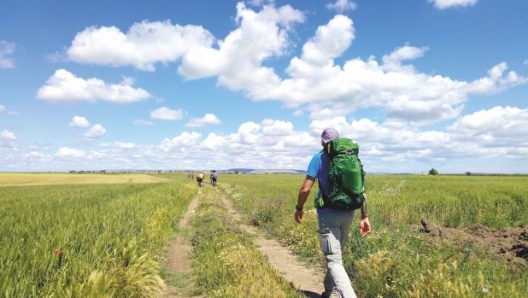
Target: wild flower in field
pixel 58 252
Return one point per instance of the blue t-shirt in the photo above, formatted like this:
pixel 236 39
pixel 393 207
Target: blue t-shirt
pixel 318 169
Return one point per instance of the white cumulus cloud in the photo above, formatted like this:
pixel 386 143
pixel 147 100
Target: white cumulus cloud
pixel 37 157
pixel 165 113
pixel 329 42
pixel 208 119
pixel 260 36
pixel 8 139
pixel 79 121
pixel 394 60
pixel 69 153
pixel 64 86
pixel 144 45
pixel 313 82
pixel 96 131
pixel 181 142
pixel 278 128
pixel 124 145
pixel 498 120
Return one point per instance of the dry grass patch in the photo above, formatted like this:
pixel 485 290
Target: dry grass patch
pixel 27 179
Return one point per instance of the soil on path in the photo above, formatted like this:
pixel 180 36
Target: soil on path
pixel 308 281
pixel 178 257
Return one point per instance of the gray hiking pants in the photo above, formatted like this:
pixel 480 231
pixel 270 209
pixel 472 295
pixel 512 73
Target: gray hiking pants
pixel 333 232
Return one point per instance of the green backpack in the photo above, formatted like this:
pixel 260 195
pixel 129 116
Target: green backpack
pixel 346 178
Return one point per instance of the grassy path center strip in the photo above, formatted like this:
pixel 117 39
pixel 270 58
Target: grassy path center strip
pixel 300 276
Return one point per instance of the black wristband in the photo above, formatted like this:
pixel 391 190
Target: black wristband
pixel 297 208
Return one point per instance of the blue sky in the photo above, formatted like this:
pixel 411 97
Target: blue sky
pixel 208 84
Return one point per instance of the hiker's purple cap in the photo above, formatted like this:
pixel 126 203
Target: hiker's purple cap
pixel 329 134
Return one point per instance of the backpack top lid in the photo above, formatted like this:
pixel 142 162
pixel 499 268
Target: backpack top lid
pixel 341 146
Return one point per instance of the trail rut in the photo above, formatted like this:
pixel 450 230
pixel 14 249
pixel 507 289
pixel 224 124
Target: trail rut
pixel 178 257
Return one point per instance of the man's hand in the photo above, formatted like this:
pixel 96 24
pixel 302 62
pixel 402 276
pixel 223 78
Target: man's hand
pixel 302 196
pixel 298 215
pixel 364 227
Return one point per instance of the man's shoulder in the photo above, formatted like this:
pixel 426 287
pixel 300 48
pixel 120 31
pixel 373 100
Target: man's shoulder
pixel 316 157
pixel 316 163
pixel 319 153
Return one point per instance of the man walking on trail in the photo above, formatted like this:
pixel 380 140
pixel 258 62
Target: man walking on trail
pixel 213 177
pixel 200 178
pixel 334 224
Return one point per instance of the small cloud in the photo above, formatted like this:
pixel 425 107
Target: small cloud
pixel 260 2
pixel 35 156
pixel 6 48
pixel 7 139
pixel 3 109
pixel 95 132
pixel 124 145
pixel 165 113
pixel 208 119
pixel 6 134
pixel 78 121
pixel 342 5
pixel 142 122
pixel 298 113
pixel 445 4
pixel 404 53
pixel 56 57
pixel 394 60
pixel 69 153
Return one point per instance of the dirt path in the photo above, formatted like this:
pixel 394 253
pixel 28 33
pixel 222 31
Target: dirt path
pixel 178 258
pixel 307 280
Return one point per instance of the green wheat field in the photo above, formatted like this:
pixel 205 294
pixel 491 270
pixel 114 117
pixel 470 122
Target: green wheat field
pixel 107 235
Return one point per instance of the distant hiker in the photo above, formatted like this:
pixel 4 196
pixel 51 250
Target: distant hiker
pixel 213 177
pixel 334 223
pixel 199 178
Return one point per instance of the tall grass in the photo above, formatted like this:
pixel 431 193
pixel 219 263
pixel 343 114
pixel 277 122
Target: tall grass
pixel 97 240
pixel 76 239
pixel 454 201
pixel 396 260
